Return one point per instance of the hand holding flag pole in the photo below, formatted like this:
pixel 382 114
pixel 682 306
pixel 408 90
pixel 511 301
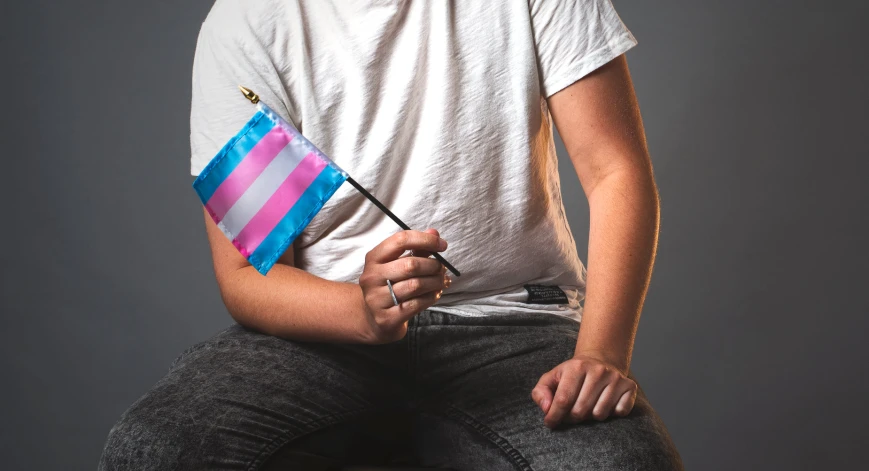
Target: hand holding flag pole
pixel 267 183
pixel 401 224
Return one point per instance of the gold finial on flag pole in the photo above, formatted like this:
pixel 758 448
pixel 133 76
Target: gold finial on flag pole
pixel 249 94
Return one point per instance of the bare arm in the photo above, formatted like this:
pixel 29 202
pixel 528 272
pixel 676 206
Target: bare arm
pixel 599 121
pixel 292 303
pixel 323 309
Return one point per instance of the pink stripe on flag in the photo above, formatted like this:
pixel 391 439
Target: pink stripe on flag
pixel 244 174
pixel 279 204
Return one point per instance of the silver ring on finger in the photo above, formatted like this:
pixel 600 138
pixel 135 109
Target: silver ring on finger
pixel 392 292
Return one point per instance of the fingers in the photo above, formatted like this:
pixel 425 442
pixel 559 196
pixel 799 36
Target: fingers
pixel 414 287
pixel 601 394
pixel 616 399
pixel 418 303
pixel 605 404
pixel 410 267
pixel 569 382
pixel 627 401
pixel 395 245
pixel 543 392
pixel 408 289
pixel 597 378
pixel 405 271
pixel 418 282
pixel 580 390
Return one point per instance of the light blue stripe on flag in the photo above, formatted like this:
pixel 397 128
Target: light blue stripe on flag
pixel 292 224
pixel 231 154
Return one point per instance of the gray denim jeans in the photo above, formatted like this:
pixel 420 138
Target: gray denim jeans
pixel 454 393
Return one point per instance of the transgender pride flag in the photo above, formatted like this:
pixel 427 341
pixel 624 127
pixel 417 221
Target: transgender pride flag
pixel 265 186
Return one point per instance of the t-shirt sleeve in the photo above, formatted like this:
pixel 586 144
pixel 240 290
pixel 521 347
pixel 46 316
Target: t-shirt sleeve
pixel 575 37
pixel 224 59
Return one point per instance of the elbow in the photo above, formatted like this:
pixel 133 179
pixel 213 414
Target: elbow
pixel 233 307
pixel 635 180
pixel 238 292
pixel 231 294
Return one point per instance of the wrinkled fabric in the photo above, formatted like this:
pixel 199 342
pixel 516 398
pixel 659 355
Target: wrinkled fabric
pixel 459 385
pixel 436 107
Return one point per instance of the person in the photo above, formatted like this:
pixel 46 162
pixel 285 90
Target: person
pixel 445 111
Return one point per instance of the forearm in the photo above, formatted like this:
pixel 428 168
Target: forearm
pixel 623 234
pixel 292 303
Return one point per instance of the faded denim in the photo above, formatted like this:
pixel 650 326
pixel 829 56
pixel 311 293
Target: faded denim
pixel 454 393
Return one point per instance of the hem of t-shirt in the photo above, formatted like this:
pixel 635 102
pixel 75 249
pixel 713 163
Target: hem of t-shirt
pixel 589 63
pixel 474 311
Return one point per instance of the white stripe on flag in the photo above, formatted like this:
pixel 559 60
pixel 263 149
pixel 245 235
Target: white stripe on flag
pixel 259 192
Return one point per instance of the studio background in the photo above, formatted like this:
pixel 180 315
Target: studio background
pixel 752 344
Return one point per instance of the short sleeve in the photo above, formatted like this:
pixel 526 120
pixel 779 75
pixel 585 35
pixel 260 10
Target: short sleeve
pixel 228 55
pixel 575 37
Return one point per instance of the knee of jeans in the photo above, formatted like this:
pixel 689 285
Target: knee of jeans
pixel 655 458
pixel 645 444
pixel 142 440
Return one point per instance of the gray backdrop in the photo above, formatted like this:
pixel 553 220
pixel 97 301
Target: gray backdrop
pixel 751 345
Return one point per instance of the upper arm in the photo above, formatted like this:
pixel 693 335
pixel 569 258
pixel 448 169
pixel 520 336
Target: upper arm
pixel 227 55
pixel 230 53
pixel 580 48
pixel 598 119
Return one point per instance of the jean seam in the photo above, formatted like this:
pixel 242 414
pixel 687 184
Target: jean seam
pixel 453 412
pixel 413 347
pixel 312 426
pixel 414 358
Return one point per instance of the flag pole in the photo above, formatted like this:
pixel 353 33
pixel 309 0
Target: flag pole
pixel 401 223
pixel 254 98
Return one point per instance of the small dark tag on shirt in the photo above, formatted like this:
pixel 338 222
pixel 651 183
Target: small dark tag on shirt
pixel 545 294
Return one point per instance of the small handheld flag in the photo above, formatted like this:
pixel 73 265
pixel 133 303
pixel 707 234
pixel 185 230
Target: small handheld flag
pixel 267 183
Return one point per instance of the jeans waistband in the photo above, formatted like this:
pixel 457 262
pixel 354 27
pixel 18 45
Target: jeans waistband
pixel 433 318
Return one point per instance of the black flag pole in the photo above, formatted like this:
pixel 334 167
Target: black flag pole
pixel 254 98
pixel 401 223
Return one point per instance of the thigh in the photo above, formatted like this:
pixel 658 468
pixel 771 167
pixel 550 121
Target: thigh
pixel 481 387
pixel 230 402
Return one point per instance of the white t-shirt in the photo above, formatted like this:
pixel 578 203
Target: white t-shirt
pixel 437 107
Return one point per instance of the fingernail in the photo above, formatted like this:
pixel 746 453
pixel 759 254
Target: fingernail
pixel 442 245
pixel 544 405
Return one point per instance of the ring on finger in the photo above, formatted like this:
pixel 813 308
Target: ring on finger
pixel 392 292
